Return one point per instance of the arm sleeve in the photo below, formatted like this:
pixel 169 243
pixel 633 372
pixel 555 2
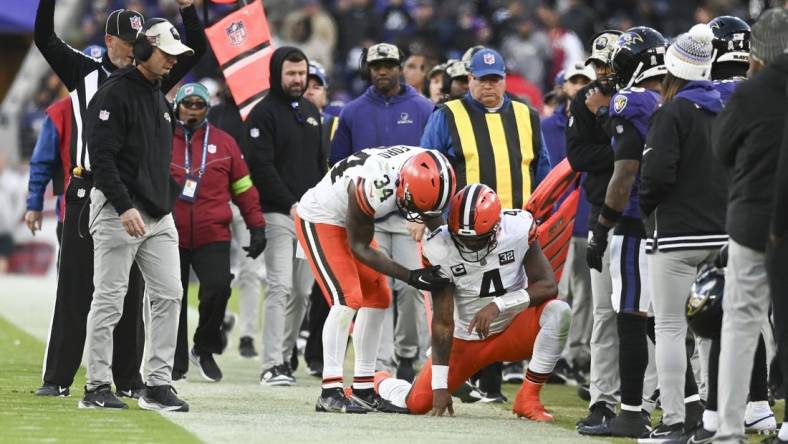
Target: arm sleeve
pixel 262 154
pixel 543 166
pixel 436 134
pixel 585 155
pixel 726 134
pixel 341 141
pixel 660 161
pixel 196 40
pixel 106 120
pixel 627 143
pixel 68 63
pixel 43 165
pixel 243 192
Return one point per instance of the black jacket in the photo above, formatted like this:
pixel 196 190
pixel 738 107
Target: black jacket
pixel 588 150
pixel 284 138
pixel 683 188
pixel 746 138
pixel 130 125
pixel 83 75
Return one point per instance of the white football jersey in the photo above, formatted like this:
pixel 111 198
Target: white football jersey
pixel 374 172
pixel 477 283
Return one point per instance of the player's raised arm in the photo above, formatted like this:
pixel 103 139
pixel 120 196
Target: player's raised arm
pixel 541 279
pixel 442 337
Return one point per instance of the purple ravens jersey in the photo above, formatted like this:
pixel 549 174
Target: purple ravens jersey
pixel 635 105
pixel 725 88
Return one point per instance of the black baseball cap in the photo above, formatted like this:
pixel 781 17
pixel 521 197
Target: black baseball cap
pixel 124 23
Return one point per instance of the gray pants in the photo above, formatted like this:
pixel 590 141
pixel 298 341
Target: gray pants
pixel 289 282
pixel 156 254
pixel 404 337
pixel 745 308
pixel 604 337
pixel 575 288
pixel 249 278
pixel 670 276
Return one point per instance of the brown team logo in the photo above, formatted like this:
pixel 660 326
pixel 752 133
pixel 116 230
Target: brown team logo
pixel 236 33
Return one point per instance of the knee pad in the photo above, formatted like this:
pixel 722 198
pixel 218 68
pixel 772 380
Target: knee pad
pixel 556 316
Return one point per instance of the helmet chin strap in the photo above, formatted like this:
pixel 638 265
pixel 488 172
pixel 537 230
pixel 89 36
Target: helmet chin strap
pixel 635 75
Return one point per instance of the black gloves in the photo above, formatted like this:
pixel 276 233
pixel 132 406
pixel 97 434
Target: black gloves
pixel 597 246
pixel 256 242
pixel 428 278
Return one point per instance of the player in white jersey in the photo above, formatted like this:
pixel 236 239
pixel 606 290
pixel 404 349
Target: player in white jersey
pixel 335 225
pixel 501 307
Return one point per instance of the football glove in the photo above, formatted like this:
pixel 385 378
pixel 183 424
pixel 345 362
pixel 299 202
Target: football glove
pixel 428 278
pixel 597 246
pixel 256 242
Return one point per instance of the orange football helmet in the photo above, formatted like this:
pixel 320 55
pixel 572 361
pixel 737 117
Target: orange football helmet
pixel 426 183
pixel 474 218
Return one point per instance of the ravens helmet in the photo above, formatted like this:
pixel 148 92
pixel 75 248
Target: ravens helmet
pixel 425 185
pixel 731 39
pixel 640 55
pixel 474 218
pixel 704 305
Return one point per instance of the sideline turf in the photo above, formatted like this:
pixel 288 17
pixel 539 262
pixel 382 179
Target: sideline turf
pixel 25 417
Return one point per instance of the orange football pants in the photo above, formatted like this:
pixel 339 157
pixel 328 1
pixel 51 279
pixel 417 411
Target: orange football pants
pixel 343 279
pixel 516 343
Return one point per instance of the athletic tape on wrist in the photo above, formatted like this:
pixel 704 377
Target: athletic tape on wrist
pixel 440 377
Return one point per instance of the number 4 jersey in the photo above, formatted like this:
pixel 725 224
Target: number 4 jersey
pixel 477 283
pixel 373 173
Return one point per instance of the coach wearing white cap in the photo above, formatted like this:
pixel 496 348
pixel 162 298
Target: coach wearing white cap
pixel 130 127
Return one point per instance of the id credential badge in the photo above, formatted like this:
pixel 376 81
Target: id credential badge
pixel 190 188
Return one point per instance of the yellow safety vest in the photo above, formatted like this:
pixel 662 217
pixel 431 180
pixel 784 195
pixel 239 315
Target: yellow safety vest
pixel 496 149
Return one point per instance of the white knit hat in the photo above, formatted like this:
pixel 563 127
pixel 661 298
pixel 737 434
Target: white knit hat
pixel 690 56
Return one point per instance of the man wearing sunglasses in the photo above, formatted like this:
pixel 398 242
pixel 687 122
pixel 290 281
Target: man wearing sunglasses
pixel 208 164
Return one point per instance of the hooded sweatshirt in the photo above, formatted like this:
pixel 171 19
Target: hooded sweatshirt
pixel 683 188
pixel 373 120
pixel 284 140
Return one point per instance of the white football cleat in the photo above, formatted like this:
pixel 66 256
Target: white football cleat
pixel 759 417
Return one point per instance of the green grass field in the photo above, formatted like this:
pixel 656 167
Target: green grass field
pixel 239 409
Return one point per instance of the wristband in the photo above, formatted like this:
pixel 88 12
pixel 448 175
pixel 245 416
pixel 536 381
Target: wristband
pixel 610 214
pixel 440 377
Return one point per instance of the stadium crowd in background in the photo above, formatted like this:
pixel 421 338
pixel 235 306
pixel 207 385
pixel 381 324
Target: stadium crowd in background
pixel 673 112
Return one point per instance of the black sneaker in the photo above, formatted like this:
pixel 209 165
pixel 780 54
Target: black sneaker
pixel 513 372
pixel 584 392
pixel 101 398
pixel 178 375
pixel 468 393
pixel 334 401
pixel 599 413
pixel 163 398
pixel 493 398
pixel 367 399
pixel 275 377
pixel 700 436
pixel 53 390
pixel 627 424
pixel 664 433
pixel 562 373
pixel 131 393
pixel 209 370
pixel 246 347
pixel 314 369
pixel 405 369
pixel 288 370
pixel 385 406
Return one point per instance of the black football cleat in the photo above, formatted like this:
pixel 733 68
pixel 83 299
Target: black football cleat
pixel 598 414
pixel 162 398
pixel 53 390
pixel 101 398
pixel 334 401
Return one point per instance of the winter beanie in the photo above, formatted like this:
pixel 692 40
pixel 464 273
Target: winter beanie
pixel 690 56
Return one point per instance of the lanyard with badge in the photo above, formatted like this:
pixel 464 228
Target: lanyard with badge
pixel 192 184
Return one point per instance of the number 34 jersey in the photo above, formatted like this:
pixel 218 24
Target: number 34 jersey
pixel 477 283
pixel 373 173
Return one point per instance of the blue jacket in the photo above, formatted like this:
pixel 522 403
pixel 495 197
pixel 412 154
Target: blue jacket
pixel 553 132
pixel 373 120
pixel 43 166
pixel 436 136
